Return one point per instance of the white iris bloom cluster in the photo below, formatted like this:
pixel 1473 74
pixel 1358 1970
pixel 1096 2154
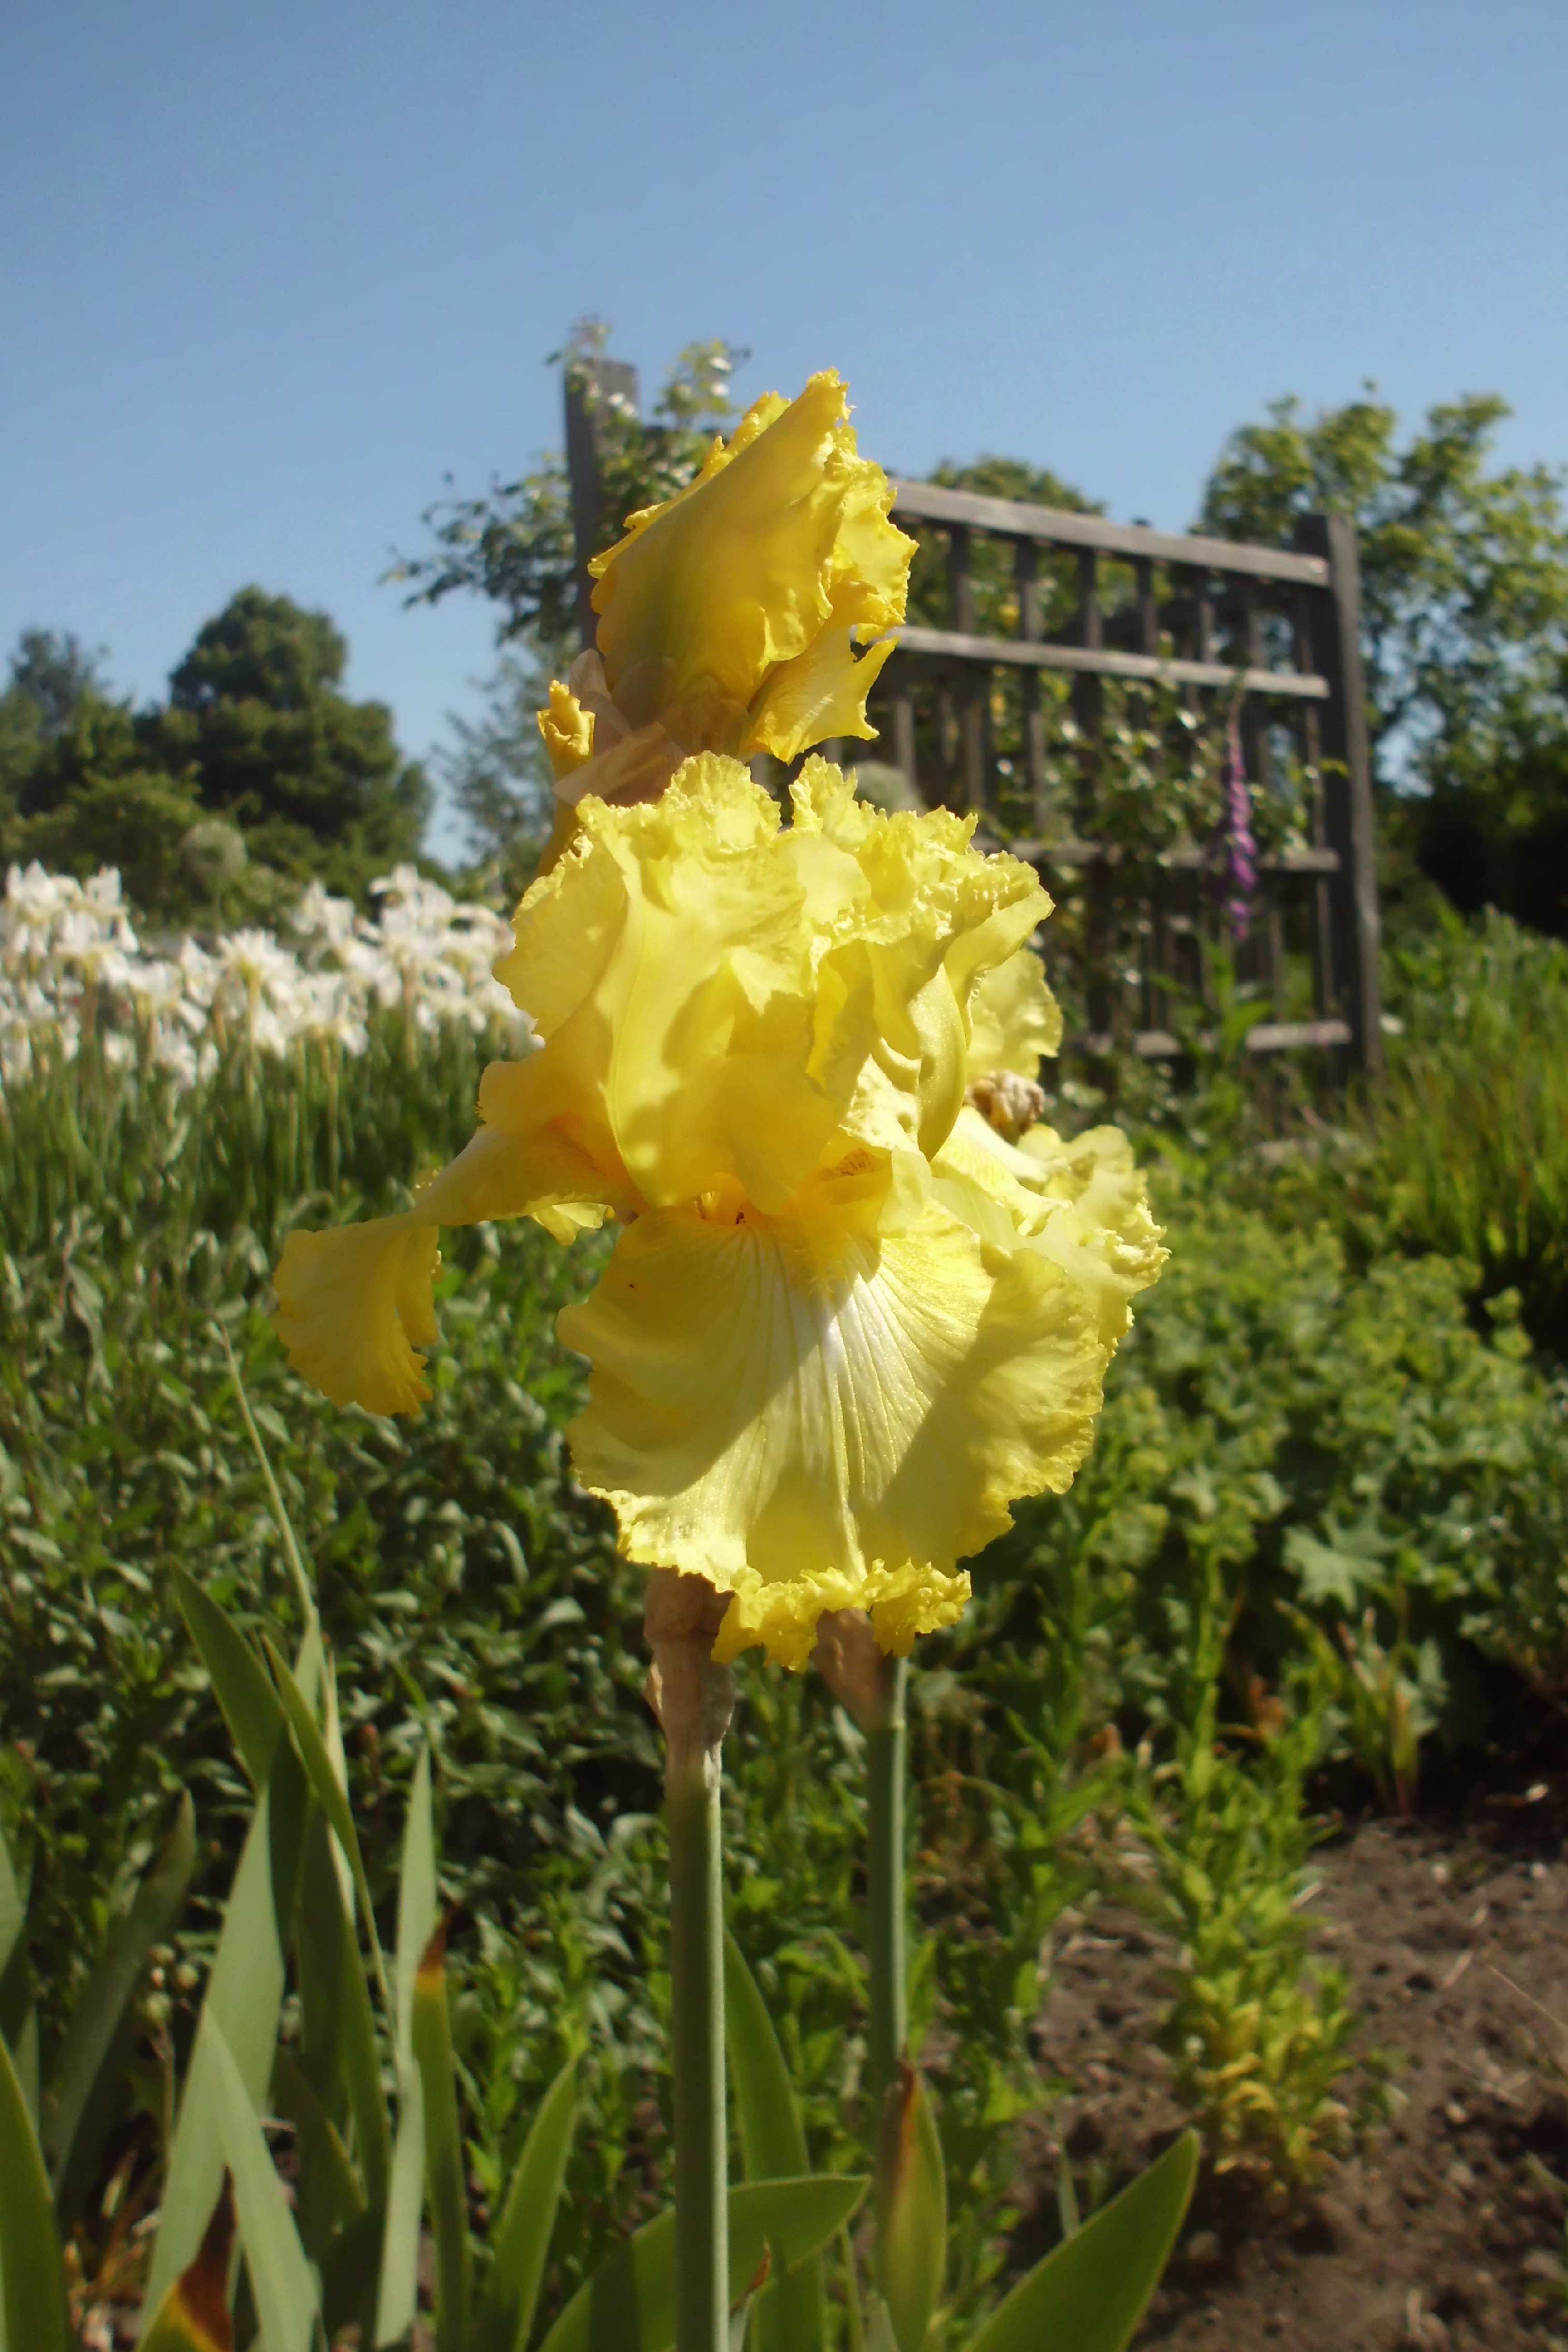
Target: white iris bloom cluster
pixel 72 965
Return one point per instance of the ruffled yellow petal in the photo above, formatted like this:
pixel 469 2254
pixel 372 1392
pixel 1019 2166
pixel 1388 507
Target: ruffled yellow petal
pixel 937 918
pixel 355 1304
pixel 782 530
pixel 1103 1232
pixel 685 1035
pixel 1013 1019
pixel 724 1002
pixel 829 1409
pixel 1084 1204
pixel 821 693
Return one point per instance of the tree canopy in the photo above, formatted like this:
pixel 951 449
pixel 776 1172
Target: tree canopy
pixel 256 731
pixel 1464 624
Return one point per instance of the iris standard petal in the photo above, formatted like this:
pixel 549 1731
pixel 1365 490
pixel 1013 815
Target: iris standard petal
pixel 829 1409
pixel 821 692
pixel 723 1001
pixel 740 571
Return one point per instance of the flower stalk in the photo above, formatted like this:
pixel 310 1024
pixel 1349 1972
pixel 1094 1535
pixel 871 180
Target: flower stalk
pixel 874 1688
pixel 887 1747
pixel 694 1700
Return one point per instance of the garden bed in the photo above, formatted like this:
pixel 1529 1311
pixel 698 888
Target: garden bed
pixel 1446 2231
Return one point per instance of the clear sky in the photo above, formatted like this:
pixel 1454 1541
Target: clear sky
pixel 268 272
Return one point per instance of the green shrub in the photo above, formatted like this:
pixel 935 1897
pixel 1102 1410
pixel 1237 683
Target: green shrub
pixel 1464 1151
pixel 1322 1439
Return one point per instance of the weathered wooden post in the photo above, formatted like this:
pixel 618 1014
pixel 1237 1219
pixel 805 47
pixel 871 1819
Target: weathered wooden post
pixel 1335 624
pixel 586 383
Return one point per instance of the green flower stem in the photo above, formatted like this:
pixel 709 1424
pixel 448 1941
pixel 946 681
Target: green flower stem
pixel 697 1973
pixel 694 1700
pixel 886 1746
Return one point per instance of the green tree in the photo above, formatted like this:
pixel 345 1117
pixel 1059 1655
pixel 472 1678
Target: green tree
pixel 494 772
pixel 257 733
pixel 314 782
pixel 80 787
pixel 52 675
pixel 1465 624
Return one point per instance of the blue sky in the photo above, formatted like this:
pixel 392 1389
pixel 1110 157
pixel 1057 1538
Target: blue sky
pixel 269 272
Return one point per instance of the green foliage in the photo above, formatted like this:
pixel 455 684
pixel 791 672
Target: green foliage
pixel 315 782
pixel 1092 2291
pixel 1465 1149
pixel 1465 624
pixel 257 733
pixel 56 2120
pixel 1287 1423
pixel 1309 1433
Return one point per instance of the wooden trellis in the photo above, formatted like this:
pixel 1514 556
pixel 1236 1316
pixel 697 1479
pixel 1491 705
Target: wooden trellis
pixel 1273 632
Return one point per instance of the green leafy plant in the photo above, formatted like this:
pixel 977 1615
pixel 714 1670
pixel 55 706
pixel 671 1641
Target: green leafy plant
pixel 1465 1149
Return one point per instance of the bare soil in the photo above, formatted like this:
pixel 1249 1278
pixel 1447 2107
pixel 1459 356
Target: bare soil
pixel 1447 2231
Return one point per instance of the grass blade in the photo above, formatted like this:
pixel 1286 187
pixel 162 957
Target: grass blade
pixel 333 1798
pixel 327 2196
pixel 1090 2291
pixel 280 2278
pixel 339 2044
pixel 444 2171
pixel 13 1907
pixel 398 2295
pixel 33 2314
pixel 81 2102
pixel 244 1997
pixel 791 2313
pixel 15 1985
pixel 417 1902
pixel 629 2304
pixel 911 2212
pixel 522 2240
pixel 251 1704
pixel 194 2316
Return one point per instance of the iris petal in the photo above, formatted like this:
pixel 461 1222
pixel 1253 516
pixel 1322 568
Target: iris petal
pixel 829 1409
pixel 1015 1021
pixel 821 692
pixel 781 530
pixel 355 1304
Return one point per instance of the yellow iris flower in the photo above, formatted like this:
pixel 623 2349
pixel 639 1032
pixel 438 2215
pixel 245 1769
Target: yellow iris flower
pixel 845 1323
pixel 729 616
